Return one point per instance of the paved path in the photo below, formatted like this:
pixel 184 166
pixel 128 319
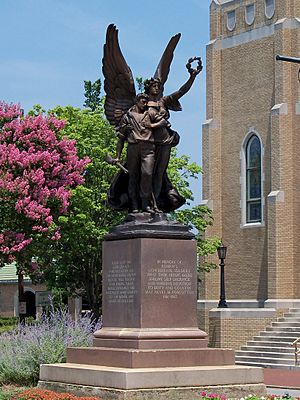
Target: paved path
pixel 281 392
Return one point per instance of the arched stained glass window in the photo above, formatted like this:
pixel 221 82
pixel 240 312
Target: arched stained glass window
pixel 253 180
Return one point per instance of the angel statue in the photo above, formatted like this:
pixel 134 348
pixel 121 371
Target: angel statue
pixel 142 184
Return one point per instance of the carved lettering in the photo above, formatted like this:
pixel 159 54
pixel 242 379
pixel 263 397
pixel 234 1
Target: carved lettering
pixel 121 282
pixel 169 279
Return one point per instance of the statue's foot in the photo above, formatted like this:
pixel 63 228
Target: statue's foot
pixel 149 210
pixel 157 210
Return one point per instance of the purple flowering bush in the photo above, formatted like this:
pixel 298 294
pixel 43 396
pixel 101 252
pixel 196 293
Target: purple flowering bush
pixel 43 342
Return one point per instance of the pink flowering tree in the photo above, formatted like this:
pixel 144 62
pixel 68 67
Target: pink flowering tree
pixel 38 169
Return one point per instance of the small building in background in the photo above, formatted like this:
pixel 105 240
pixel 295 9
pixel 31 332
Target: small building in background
pixel 9 293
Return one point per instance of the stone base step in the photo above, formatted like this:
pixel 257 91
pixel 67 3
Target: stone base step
pixel 172 393
pixel 150 358
pixel 149 378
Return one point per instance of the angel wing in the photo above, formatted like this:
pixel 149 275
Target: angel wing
pixel 163 68
pixel 118 79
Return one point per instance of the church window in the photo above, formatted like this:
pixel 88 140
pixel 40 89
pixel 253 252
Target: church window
pixel 253 180
pixel 250 14
pixel 269 8
pixel 231 20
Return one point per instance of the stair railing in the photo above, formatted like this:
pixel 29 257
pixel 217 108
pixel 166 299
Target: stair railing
pixel 297 351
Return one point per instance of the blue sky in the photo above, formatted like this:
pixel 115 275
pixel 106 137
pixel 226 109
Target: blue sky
pixel 49 47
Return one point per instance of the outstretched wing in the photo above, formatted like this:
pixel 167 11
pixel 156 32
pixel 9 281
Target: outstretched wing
pixel 163 68
pixel 118 80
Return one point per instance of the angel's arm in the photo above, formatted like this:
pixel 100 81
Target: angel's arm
pixel 188 84
pixel 184 88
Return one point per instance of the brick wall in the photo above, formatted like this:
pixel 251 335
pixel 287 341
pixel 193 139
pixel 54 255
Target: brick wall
pixel 247 90
pixel 233 328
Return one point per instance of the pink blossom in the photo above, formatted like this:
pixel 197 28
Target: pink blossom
pixel 37 172
pixel 56 235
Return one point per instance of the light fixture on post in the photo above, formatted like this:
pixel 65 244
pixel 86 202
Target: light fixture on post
pixel 222 255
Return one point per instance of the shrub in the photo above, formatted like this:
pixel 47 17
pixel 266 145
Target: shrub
pixel 43 342
pixel 36 394
pixel 8 321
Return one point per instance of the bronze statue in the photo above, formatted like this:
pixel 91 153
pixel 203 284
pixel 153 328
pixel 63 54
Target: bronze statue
pixel 142 121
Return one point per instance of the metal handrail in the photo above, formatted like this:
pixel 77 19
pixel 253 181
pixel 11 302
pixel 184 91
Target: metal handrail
pixel 295 344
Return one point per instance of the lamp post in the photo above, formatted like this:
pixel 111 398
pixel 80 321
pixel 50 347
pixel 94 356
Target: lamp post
pixel 222 255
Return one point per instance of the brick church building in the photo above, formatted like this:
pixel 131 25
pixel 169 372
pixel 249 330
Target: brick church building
pixel 251 152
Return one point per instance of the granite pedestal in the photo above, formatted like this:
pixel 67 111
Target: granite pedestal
pixel 150 339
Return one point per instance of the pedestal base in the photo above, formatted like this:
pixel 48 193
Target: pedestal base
pixel 150 346
pixel 152 383
pixel 145 358
pixel 135 338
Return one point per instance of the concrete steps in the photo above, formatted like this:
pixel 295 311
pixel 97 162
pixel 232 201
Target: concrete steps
pixel 273 348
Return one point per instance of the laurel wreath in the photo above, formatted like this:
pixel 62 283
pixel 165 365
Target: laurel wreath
pixel 198 67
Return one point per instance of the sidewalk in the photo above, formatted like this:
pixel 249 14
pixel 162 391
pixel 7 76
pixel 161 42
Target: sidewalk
pixel 282 392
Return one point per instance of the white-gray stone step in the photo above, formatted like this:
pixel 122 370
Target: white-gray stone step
pixel 275 349
pixel 269 365
pixel 270 338
pixel 291 324
pixel 292 329
pixel 264 354
pixel 268 343
pixel 292 314
pixel 271 360
pixel 292 335
pixel 289 318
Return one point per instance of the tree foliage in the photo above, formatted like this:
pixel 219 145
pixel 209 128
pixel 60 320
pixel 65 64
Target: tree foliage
pixel 92 94
pixel 38 168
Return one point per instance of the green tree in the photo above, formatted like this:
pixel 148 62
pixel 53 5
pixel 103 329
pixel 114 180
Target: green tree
pixel 140 83
pixel 92 94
